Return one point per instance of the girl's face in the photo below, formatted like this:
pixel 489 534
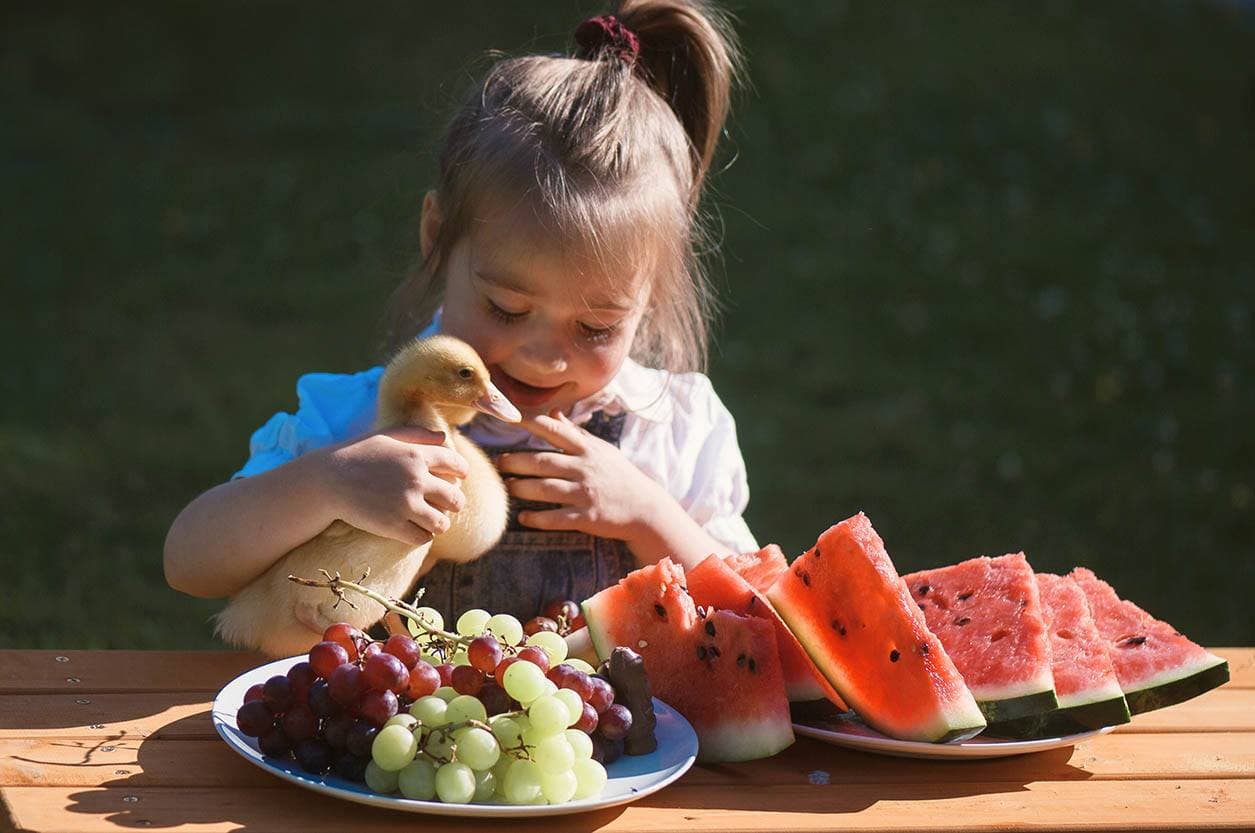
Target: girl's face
pixel 552 326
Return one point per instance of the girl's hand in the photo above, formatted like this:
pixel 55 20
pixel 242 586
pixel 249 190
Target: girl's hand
pixel 396 484
pixel 600 491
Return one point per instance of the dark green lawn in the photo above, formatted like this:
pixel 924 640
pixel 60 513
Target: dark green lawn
pixel 989 272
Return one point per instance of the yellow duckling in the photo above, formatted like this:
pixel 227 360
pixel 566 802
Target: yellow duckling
pixel 438 383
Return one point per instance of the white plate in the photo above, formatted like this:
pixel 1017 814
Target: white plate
pixel 631 777
pixel 852 733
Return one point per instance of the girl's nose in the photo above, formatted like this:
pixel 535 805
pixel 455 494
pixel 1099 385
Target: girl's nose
pixel 544 354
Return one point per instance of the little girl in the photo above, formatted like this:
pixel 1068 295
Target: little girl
pixel 559 243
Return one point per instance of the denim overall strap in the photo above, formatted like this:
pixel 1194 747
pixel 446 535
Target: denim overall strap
pixel 530 567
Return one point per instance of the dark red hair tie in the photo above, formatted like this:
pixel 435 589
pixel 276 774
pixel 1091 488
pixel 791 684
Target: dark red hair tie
pixel 608 31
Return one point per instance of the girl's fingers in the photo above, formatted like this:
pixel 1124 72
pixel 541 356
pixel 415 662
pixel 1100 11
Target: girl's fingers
pixel 537 464
pixel 411 533
pixel 545 490
pixel 565 518
pixel 445 461
pixel 430 519
pixel 558 431
pixel 443 495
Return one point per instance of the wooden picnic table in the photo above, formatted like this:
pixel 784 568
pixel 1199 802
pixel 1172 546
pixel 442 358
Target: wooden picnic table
pixel 106 740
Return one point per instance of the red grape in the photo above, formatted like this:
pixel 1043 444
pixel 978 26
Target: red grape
pixel 535 655
pixel 326 657
pixel 336 730
pixel 494 698
pixel 445 670
pixel 424 680
pixel 564 676
pixel 588 720
pixel 614 722
pixel 313 755
pixel 346 684
pixel 371 649
pixel 320 702
pixel 564 612
pixel 467 679
pixel 274 743
pixel 611 750
pixel 255 718
pixel 538 624
pixel 350 766
pixel 377 706
pixel 299 723
pixel 484 653
pixel 359 737
pixel 403 648
pixel 346 636
pixel 301 676
pixel 253 693
pixel 499 671
pixel 603 694
pixel 277 694
pixel 386 673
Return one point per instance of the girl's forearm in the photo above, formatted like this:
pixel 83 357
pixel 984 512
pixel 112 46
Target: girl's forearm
pixel 670 532
pixel 235 531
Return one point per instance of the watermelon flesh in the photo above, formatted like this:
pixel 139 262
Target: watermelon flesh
pixel 713 583
pixel 1085 680
pixel 1155 664
pixel 988 615
pixel 720 670
pixel 760 569
pixel 846 604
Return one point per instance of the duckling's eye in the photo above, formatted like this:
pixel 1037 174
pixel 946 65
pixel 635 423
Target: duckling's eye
pixel 465 372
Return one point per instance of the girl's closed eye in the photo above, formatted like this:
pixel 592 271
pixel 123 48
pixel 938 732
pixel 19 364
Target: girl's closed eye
pixel 501 313
pixel 598 335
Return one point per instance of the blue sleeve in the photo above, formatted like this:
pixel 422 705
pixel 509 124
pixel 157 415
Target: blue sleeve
pixel 331 407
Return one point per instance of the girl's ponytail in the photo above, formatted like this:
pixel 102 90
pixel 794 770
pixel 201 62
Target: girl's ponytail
pixel 688 54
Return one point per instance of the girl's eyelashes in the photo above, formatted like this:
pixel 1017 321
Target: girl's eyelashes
pixel 598 335
pixel 501 314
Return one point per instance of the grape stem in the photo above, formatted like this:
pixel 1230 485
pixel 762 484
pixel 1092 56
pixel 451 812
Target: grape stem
pixel 449 728
pixel 337 585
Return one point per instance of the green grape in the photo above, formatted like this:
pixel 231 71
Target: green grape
pixel 455 783
pixel 380 780
pixel 430 710
pixel 446 693
pixel 548 687
pixel 501 767
pixel 471 623
pixel 459 657
pixel 573 703
pixel 506 730
pixel 533 736
pixel 409 721
pixel 579 665
pixel 393 748
pixel 554 755
pixel 549 715
pixel 558 787
pixel 524 681
pixel 581 743
pixel 590 777
pixel 430 616
pixel 418 779
pixel 506 628
pixel 522 782
pixel 440 745
pixel 464 707
pixel 431 658
pixel 485 786
pixel 478 749
pixel 551 644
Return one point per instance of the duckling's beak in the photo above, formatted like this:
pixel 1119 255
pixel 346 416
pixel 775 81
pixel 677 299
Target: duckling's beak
pixel 494 403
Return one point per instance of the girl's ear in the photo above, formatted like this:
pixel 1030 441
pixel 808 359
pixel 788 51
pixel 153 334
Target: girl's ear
pixel 430 224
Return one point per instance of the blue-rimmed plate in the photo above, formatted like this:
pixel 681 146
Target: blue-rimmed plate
pixel 631 777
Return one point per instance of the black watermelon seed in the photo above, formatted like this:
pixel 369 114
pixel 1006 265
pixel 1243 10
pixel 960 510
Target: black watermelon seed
pixel 806 579
pixel 662 611
pixel 817 553
pixel 753 601
pixel 893 655
pixel 753 667
pixel 1133 640
pixel 714 650
pixel 740 660
pixel 838 627
pixel 923 648
pixel 710 628
pixel 963 597
pixel 701 652
pixel 921 605
pixel 923 589
pixel 962 620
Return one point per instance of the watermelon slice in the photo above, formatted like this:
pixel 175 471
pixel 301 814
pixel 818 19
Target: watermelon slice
pixel 988 614
pixel 714 584
pixel 1155 664
pixel 847 606
pixel 1085 681
pixel 721 671
pixel 760 569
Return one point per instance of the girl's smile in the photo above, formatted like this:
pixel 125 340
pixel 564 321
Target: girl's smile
pixel 523 395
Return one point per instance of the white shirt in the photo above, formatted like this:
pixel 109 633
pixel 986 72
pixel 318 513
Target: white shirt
pixel 676 431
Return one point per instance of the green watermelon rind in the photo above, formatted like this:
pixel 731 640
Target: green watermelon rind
pixel 745 742
pixel 600 634
pixel 1085 717
pixel 1178 684
pixel 958 722
pixel 1003 709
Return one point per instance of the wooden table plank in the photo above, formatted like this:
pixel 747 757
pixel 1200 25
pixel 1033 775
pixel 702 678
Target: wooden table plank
pixel 202 763
pixel 99 671
pixel 1113 806
pixel 103 671
pixel 1219 710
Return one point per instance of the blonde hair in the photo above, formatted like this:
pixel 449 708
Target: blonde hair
pixel 609 152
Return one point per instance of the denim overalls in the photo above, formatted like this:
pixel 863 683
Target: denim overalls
pixel 530 567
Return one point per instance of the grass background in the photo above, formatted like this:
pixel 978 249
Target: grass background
pixel 989 273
